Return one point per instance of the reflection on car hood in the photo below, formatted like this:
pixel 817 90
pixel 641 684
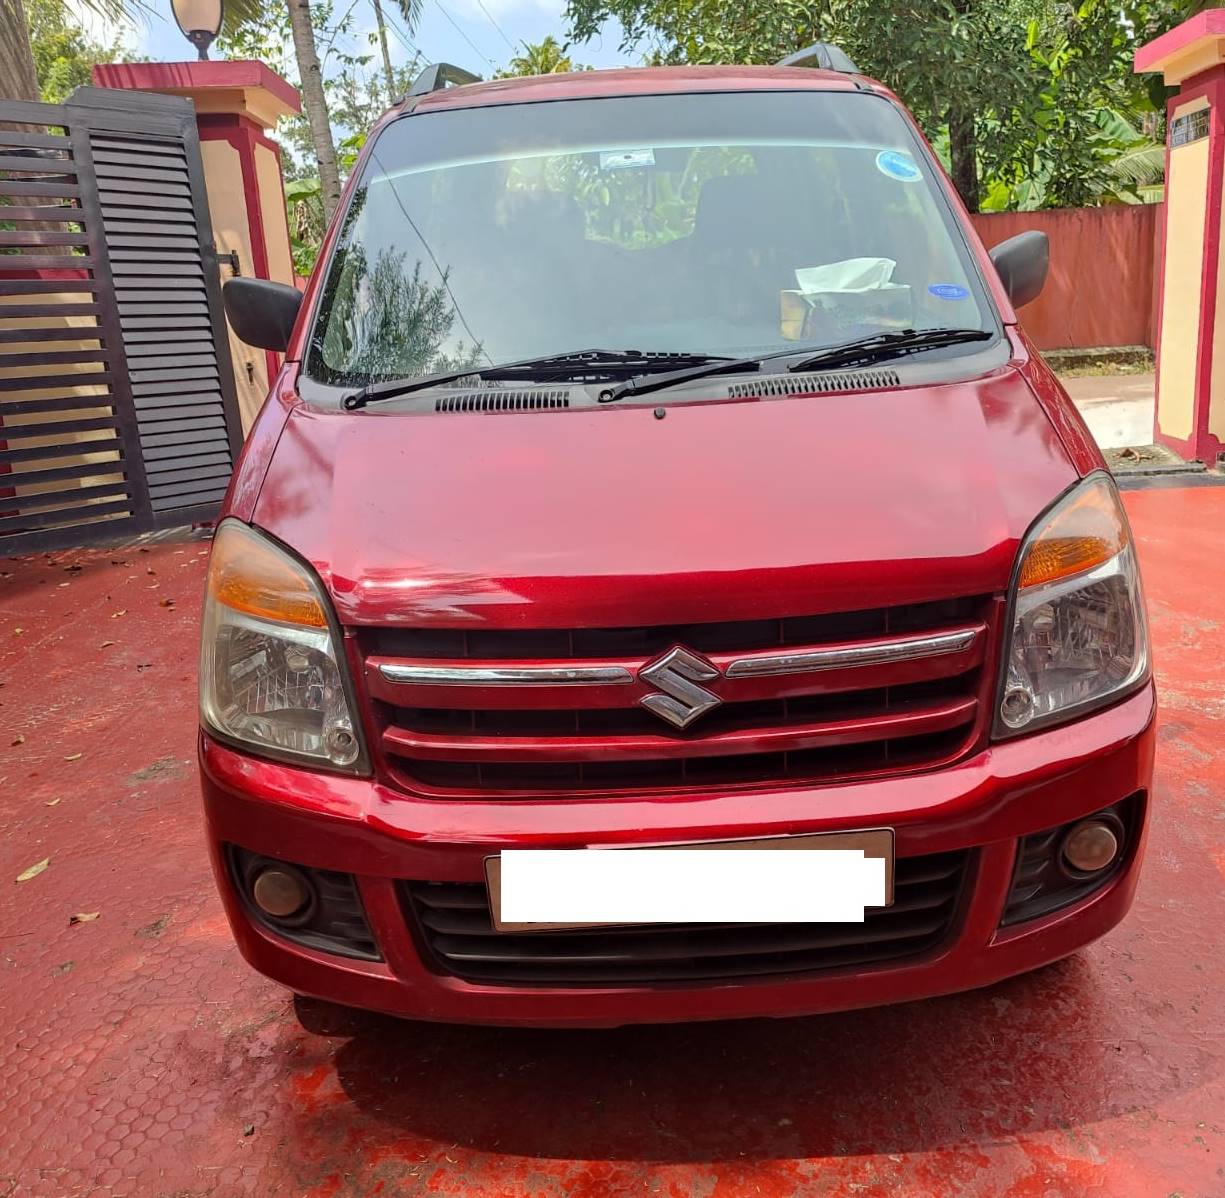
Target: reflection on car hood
pixel 719 511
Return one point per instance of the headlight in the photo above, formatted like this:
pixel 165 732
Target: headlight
pixel 271 674
pixel 1078 636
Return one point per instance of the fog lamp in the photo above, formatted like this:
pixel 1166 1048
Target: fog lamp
pixel 1091 846
pixel 281 893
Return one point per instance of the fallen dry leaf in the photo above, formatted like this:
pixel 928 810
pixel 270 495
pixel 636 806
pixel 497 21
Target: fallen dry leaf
pixel 51 802
pixel 18 631
pixel 19 739
pixel 84 917
pixel 34 870
pixel 106 644
pixel 123 611
pixel 74 756
pixel 65 584
pixel 165 602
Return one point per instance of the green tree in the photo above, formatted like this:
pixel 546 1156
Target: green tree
pixel 19 79
pixel 1006 87
pixel 63 55
pixel 410 10
pixel 548 57
pixel 303 41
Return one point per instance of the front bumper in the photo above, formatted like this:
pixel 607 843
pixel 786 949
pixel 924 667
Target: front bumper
pixel 985 803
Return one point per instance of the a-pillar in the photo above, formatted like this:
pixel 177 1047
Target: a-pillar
pixel 237 103
pixel 1190 412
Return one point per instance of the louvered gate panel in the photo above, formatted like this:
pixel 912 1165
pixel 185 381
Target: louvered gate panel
pixel 117 405
pixel 144 190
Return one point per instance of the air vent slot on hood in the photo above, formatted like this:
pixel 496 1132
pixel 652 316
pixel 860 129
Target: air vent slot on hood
pixel 495 400
pixel 815 384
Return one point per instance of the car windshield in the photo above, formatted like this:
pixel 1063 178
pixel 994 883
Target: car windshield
pixel 726 223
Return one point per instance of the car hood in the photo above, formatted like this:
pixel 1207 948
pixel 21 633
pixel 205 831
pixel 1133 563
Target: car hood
pixel 714 511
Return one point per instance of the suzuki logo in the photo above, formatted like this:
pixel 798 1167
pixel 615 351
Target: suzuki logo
pixel 676 676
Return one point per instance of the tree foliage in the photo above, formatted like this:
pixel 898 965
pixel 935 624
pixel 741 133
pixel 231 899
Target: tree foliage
pixel 64 55
pixel 1012 92
pixel 548 57
pixel 355 92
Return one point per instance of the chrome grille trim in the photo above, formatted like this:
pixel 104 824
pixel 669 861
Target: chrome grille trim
pixel 507 675
pixel 879 653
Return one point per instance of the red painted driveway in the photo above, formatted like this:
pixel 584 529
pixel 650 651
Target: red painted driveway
pixel 142 1058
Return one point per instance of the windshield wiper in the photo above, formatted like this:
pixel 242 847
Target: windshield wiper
pixel 549 367
pixel 875 348
pixel 883 346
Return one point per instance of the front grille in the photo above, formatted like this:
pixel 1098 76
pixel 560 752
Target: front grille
pixel 454 924
pixel 797 724
pixel 567 643
pixel 737 769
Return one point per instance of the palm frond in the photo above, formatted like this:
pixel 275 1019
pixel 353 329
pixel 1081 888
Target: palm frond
pixel 239 13
pixel 1141 166
pixel 121 12
pixel 410 12
pixel 138 12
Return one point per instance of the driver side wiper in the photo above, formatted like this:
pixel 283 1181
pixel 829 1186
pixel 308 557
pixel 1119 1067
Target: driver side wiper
pixel 550 367
pixel 876 348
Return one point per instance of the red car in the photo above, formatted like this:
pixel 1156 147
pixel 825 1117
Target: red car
pixel 657 460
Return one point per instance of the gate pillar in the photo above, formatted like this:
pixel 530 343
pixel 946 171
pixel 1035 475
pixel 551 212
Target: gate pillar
pixel 237 103
pixel 1190 411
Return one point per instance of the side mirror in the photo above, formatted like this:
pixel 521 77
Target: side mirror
pixel 1022 262
pixel 262 312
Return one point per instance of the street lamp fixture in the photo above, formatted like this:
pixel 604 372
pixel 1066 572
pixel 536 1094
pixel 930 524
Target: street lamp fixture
pixel 199 20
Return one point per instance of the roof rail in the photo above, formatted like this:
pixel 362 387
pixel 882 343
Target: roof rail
pixel 824 56
pixel 438 75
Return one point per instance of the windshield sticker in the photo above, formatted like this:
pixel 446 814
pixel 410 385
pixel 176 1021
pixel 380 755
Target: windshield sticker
pixel 616 160
pixel 898 166
pixel 948 291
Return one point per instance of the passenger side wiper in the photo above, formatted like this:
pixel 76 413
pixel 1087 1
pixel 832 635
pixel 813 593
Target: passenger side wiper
pixel 550 367
pixel 882 346
pixel 875 348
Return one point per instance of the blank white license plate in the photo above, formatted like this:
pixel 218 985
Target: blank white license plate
pixel 817 878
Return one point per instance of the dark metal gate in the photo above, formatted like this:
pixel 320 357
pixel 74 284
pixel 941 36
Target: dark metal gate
pixel 117 406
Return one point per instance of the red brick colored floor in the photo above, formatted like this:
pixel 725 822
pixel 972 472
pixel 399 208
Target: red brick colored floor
pixel 141 1057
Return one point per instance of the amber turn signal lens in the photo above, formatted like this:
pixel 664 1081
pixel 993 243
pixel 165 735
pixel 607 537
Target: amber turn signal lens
pixel 249 575
pixel 1078 536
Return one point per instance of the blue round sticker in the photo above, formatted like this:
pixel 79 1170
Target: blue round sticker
pixel 948 291
pixel 898 166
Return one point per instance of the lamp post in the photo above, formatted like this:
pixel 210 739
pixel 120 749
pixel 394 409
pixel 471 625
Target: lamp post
pixel 199 20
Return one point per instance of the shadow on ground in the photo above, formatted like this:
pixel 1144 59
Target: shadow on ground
pixel 906 1079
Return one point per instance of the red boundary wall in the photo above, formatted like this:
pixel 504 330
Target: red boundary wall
pixel 1102 289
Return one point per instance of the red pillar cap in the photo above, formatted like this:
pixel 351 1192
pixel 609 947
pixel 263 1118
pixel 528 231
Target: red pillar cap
pixel 1195 46
pixel 243 87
